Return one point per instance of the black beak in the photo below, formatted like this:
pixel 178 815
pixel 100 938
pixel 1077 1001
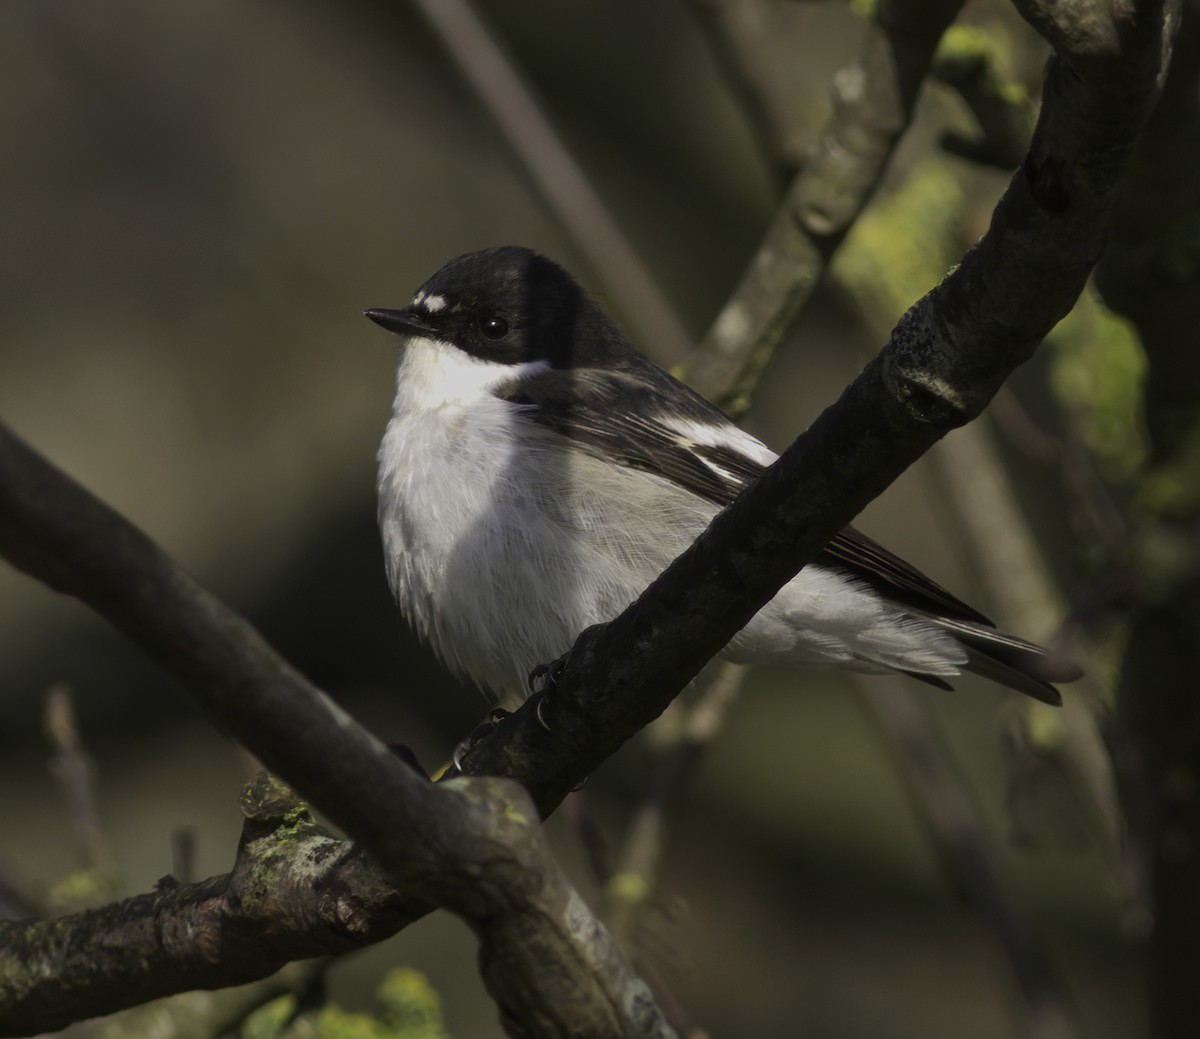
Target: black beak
pixel 402 322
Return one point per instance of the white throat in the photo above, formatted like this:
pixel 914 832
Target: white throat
pixel 433 374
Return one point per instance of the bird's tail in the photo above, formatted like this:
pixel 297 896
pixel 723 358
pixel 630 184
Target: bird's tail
pixel 1020 665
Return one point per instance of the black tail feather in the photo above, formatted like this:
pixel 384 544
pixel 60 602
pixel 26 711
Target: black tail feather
pixel 1011 661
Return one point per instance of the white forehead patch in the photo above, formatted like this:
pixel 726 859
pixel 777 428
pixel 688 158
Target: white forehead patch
pixel 428 302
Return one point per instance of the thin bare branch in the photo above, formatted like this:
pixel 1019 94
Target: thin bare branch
pixel 741 33
pixel 73 769
pixel 1004 115
pixel 975 481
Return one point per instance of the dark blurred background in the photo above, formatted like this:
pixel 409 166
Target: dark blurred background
pixel 200 198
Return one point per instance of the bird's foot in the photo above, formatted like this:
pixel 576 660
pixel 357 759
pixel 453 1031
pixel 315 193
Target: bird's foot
pixel 497 715
pixel 542 681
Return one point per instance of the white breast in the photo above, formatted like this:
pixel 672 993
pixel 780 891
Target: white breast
pixel 498 556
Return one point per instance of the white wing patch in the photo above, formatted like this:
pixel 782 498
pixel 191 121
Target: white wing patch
pixel 727 436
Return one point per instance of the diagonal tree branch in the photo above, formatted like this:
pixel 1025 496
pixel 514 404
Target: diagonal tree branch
pixel 296 891
pixel 946 358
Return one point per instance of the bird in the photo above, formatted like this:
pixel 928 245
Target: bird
pixel 538 472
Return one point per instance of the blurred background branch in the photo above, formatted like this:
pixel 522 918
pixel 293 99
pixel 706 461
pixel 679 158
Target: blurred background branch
pixel 1151 276
pixel 72 767
pixel 873 99
pixel 969 61
pixel 677 744
pixel 746 38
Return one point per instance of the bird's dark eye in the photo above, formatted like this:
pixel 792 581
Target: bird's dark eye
pixel 493 327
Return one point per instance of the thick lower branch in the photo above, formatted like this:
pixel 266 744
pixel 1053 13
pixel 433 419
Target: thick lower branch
pixel 295 892
pixel 434 841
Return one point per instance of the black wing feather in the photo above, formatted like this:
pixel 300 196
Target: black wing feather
pixel 854 552
pixel 593 407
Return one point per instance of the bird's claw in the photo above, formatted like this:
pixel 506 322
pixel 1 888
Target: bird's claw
pixel 463 747
pixel 542 680
pixel 538 711
pixel 544 676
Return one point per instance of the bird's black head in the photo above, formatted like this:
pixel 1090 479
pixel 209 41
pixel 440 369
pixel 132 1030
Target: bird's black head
pixel 507 305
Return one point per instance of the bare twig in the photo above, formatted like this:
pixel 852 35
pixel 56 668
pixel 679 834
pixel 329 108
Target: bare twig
pixel 1093 513
pixel 72 767
pixel 1014 572
pixel 1019 428
pixel 966 61
pixel 558 177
